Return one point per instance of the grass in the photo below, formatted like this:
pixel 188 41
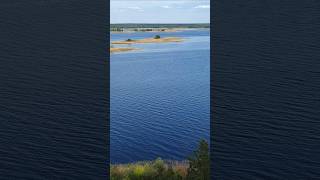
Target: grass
pixel 195 168
pixel 157 169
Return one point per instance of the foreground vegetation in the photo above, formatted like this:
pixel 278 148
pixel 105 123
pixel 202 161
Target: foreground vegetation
pixel 195 168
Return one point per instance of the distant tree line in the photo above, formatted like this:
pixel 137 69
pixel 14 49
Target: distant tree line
pixel 116 29
pixel 202 25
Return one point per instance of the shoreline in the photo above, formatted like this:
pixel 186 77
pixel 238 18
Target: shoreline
pixel 132 30
pixel 165 161
pixel 116 50
pixel 151 168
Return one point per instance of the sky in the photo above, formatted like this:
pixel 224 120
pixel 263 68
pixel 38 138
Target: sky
pixel 159 11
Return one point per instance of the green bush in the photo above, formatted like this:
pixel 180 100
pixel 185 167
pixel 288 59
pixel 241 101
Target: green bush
pixel 129 40
pixel 157 37
pixel 199 163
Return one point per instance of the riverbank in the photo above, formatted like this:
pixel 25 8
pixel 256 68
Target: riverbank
pixel 157 169
pixel 196 167
pixel 149 40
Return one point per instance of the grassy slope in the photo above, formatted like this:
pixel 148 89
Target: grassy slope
pixel 158 169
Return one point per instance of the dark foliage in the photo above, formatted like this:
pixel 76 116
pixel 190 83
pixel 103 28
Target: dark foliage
pixel 157 37
pixel 199 163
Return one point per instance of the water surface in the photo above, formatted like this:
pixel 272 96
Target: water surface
pixel 159 97
pixel 53 90
pixel 266 90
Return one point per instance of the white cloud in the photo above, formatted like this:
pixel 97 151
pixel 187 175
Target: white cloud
pixel 203 7
pixel 166 7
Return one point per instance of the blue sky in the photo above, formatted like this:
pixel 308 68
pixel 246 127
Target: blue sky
pixel 160 11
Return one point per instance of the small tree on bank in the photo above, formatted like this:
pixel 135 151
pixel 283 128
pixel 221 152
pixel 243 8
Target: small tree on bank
pixel 157 37
pixel 199 163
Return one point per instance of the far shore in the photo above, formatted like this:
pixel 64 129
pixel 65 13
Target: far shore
pixel 132 30
pixel 149 27
pixel 114 50
pixel 150 40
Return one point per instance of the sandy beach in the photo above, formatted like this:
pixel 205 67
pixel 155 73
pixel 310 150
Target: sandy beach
pixel 114 50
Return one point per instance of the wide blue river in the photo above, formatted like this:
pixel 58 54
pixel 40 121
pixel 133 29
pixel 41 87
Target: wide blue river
pixel 160 97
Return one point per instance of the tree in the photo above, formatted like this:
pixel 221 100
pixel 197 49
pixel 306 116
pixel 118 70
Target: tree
pixel 199 163
pixel 157 37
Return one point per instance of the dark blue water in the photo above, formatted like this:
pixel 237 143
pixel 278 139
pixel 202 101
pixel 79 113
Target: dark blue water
pixel 160 97
pixel 53 90
pixel 266 90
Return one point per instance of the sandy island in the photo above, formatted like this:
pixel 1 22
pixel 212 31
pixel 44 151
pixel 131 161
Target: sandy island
pixel 113 50
pixel 150 40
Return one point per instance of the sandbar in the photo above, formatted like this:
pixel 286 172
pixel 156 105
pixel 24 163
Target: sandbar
pixel 114 50
pixel 150 40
